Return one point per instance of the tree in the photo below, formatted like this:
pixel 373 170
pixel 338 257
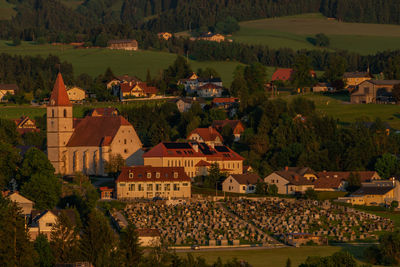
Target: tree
pixel 214 176
pixel 387 165
pixel 261 187
pixel 392 69
pixel 396 92
pixel 387 252
pixel 288 263
pixel 35 162
pixel 43 249
pixel 108 75
pixel 394 204
pixel 114 165
pixel 9 161
pixel 341 258
pixel 228 26
pixel 334 71
pixel 44 190
pixel 353 182
pixel 310 194
pixel 15 247
pixel 321 40
pixel 8 132
pixel 64 241
pixel 130 252
pixel 302 72
pixel 16 41
pixel 255 75
pixel 272 190
pixel 97 240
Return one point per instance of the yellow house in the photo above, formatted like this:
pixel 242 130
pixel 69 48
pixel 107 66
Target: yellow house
pixel 213 37
pixel 353 79
pixel 76 94
pixel 139 89
pixel 148 182
pixel 7 89
pixel 196 158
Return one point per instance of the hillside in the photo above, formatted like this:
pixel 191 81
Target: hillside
pixel 294 32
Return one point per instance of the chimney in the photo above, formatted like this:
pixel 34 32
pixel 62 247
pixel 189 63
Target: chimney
pixel 286 168
pixel 296 178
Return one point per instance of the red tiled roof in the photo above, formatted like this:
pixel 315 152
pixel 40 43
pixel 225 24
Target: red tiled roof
pixel 96 131
pixel 186 150
pixel 210 86
pixel 282 75
pixel 225 100
pixel 328 183
pixel 247 178
pixel 127 87
pixel 294 178
pixel 365 176
pixel 207 134
pixel 140 174
pixel 9 87
pixel 59 96
pixel 219 124
pixel 97 112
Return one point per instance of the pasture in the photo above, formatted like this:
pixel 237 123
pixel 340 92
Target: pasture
pixel 94 61
pixel 292 32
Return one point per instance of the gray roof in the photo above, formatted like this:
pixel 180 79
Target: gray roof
pixel 248 178
pixel 373 190
pixel 356 74
pixel 384 82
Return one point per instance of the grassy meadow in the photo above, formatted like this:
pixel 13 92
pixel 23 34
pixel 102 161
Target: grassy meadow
pixel 268 257
pixel 293 31
pixel 94 61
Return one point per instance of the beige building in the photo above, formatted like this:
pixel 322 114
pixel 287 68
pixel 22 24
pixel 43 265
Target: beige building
pixel 85 145
pixel 241 183
pixel 149 237
pixel 209 135
pixel 374 91
pixel 76 94
pixel 25 204
pixel 150 182
pixel 210 90
pixel 130 45
pixel 292 180
pixel 192 156
pixel 352 79
pixel 7 89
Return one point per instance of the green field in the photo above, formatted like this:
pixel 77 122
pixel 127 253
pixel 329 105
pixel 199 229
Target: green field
pixel 6 10
pixel 268 257
pixel 292 32
pixel 94 61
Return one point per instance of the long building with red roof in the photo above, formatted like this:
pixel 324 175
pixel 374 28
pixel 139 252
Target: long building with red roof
pixel 85 145
pixel 193 156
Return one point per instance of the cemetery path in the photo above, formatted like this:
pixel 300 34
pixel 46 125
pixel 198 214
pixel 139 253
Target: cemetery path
pixel 228 212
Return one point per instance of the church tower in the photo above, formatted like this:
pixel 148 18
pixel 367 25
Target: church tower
pixel 59 126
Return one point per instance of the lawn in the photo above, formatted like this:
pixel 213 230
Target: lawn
pixel 94 61
pixel 268 257
pixel 293 32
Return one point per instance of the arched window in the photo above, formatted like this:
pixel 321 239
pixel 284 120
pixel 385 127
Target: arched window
pixel 65 113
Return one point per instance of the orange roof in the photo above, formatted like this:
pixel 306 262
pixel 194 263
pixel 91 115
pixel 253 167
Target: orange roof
pixel 220 124
pixel 59 96
pixel 225 100
pixel 286 74
pixel 207 134
pixel 202 163
pixel 96 131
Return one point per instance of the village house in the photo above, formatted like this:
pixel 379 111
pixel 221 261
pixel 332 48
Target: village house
pixel 7 89
pixel 76 94
pixel 353 79
pixel 42 222
pixel 241 183
pixel 374 91
pixel 236 126
pixel 164 35
pixel 337 181
pixel 209 135
pixel 225 102
pixel 209 90
pixel 286 75
pixel 322 87
pixel 192 156
pixel 22 202
pixel 149 182
pixel 292 180
pixel 299 239
pixel 130 45
pixel 185 103
pixel 25 125
pixel 122 79
pixel 85 145
pixel 212 37
pixel 106 193
pixel 149 237
pixel 139 89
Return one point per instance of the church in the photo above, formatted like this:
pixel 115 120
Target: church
pixel 85 145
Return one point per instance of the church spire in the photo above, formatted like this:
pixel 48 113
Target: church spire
pixel 59 96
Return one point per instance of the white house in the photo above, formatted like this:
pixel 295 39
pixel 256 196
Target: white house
pixel 241 183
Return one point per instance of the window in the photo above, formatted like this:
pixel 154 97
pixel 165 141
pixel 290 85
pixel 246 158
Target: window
pixel 175 175
pixel 244 187
pixel 157 175
pixel 167 187
pixel 65 113
pixel 185 184
pixel 131 175
pixel 122 184
pixel 125 151
pixel 158 187
pixel 149 187
pixel 149 175
pixel 230 180
pixel 140 187
pixel 49 224
pixel 176 187
pixel 52 113
pixel 131 187
pixel 124 141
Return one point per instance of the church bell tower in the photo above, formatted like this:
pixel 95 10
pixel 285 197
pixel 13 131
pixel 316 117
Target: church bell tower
pixel 59 126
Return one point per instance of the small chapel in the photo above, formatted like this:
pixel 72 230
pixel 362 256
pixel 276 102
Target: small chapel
pixel 85 145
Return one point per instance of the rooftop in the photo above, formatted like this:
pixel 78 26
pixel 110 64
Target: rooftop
pixel 152 174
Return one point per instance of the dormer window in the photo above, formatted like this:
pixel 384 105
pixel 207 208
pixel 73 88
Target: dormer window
pixel 149 175
pixel 175 175
pixel 157 175
pixel 131 175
